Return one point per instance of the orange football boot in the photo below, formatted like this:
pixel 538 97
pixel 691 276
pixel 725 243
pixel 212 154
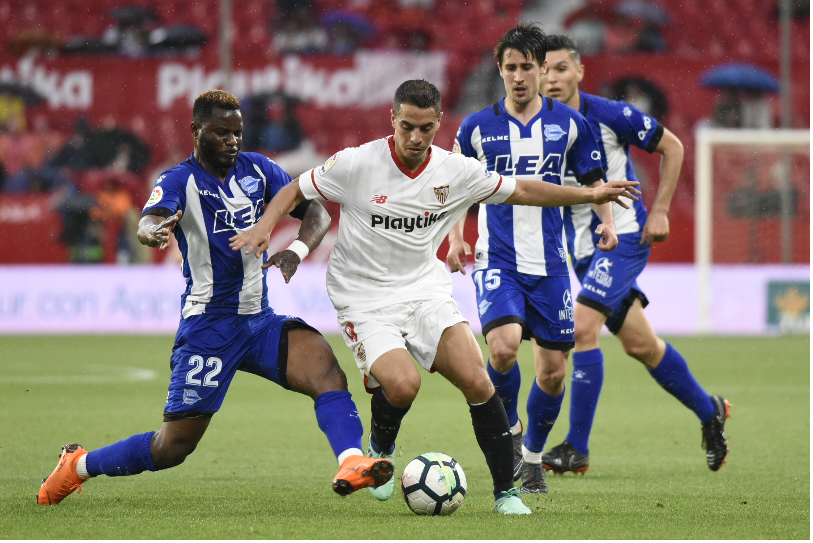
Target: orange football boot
pixel 64 479
pixel 359 472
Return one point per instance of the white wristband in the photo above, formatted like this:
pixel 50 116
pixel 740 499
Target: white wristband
pixel 300 249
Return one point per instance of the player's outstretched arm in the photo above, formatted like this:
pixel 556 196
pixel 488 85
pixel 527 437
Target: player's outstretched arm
pixel 315 224
pixel 257 237
pixel 534 193
pixel 154 230
pixel 656 227
pixel 458 247
pixel 609 239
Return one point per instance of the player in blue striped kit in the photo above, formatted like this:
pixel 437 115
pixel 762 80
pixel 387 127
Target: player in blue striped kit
pixel 521 275
pixel 610 295
pixel 227 323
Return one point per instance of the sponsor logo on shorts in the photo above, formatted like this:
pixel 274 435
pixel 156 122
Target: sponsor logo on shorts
pixel 406 224
pixel 350 330
pixel 442 193
pixel 567 312
pixel 190 396
pixel 601 272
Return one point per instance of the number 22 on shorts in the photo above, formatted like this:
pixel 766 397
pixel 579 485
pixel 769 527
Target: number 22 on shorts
pixel 208 379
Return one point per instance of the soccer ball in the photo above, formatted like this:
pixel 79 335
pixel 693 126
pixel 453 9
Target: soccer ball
pixel 433 484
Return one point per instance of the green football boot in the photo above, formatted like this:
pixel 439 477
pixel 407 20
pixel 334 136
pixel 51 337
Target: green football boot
pixel 508 502
pixel 383 492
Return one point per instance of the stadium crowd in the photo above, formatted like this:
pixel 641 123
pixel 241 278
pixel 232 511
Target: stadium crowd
pixel 97 171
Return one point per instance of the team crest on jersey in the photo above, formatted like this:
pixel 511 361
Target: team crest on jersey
pixel 330 162
pixel 442 193
pixel 155 197
pixel 553 132
pixel 249 184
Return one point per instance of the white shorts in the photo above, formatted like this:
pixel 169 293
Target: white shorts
pixel 414 326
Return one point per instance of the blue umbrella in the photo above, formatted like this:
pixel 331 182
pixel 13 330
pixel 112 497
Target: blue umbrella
pixel 740 75
pixel 646 11
pixel 361 24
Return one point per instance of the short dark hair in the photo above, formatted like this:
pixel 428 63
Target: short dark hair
pixel 527 39
pixel 558 42
pixel 206 103
pixel 419 93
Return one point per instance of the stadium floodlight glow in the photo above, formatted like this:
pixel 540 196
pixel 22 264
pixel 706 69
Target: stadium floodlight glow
pixel 706 140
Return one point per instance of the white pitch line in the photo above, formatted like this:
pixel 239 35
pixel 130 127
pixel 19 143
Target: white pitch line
pixel 123 374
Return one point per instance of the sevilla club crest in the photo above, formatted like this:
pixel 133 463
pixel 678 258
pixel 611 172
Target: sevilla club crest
pixel 442 193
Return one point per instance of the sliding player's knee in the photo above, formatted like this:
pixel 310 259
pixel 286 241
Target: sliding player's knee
pixel 171 452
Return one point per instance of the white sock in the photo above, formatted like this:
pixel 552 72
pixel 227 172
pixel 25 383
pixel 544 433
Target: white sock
pixel 516 429
pixel 351 452
pixel 531 457
pixel 82 467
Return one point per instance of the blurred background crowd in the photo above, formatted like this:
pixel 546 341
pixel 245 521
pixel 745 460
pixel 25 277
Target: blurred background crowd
pixel 95 95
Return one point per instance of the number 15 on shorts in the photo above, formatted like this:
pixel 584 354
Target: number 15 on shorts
pixel 491 280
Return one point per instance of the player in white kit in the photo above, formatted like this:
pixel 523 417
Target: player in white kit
pixel 399 198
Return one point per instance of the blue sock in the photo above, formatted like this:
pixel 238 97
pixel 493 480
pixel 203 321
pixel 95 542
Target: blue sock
pixel 129 456
pixel 674 376
pixel 339 420
pixel 507 386
pixel 542 413
pixel 585 388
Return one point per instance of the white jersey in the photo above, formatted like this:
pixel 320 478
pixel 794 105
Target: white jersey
pixel 393 220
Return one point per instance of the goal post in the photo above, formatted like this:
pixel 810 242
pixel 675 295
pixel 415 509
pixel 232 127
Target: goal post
pixel 724 157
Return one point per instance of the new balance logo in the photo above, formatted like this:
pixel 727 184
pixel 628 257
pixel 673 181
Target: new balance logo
pixel 378 199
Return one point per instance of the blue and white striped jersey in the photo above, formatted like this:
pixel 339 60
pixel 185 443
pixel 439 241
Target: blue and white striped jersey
pixel 617 125
pixel 219 280
pixel 527 239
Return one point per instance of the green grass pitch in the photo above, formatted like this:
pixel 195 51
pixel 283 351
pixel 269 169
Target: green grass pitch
pixel 264 469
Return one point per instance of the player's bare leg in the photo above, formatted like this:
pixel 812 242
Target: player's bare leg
pixel 503 345
pixel 313 370
pixel 460 360
pixel 670 370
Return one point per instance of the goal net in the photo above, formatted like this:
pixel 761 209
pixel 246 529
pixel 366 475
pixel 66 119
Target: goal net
pixel 752 201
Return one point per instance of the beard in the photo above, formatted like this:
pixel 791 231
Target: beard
pixel 212 155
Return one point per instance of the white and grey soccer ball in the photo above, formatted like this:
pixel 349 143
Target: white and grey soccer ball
pixel 433 484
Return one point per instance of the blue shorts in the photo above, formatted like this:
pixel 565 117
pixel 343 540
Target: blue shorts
pixel 610 280
pixel 541 304
pixel 209 349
